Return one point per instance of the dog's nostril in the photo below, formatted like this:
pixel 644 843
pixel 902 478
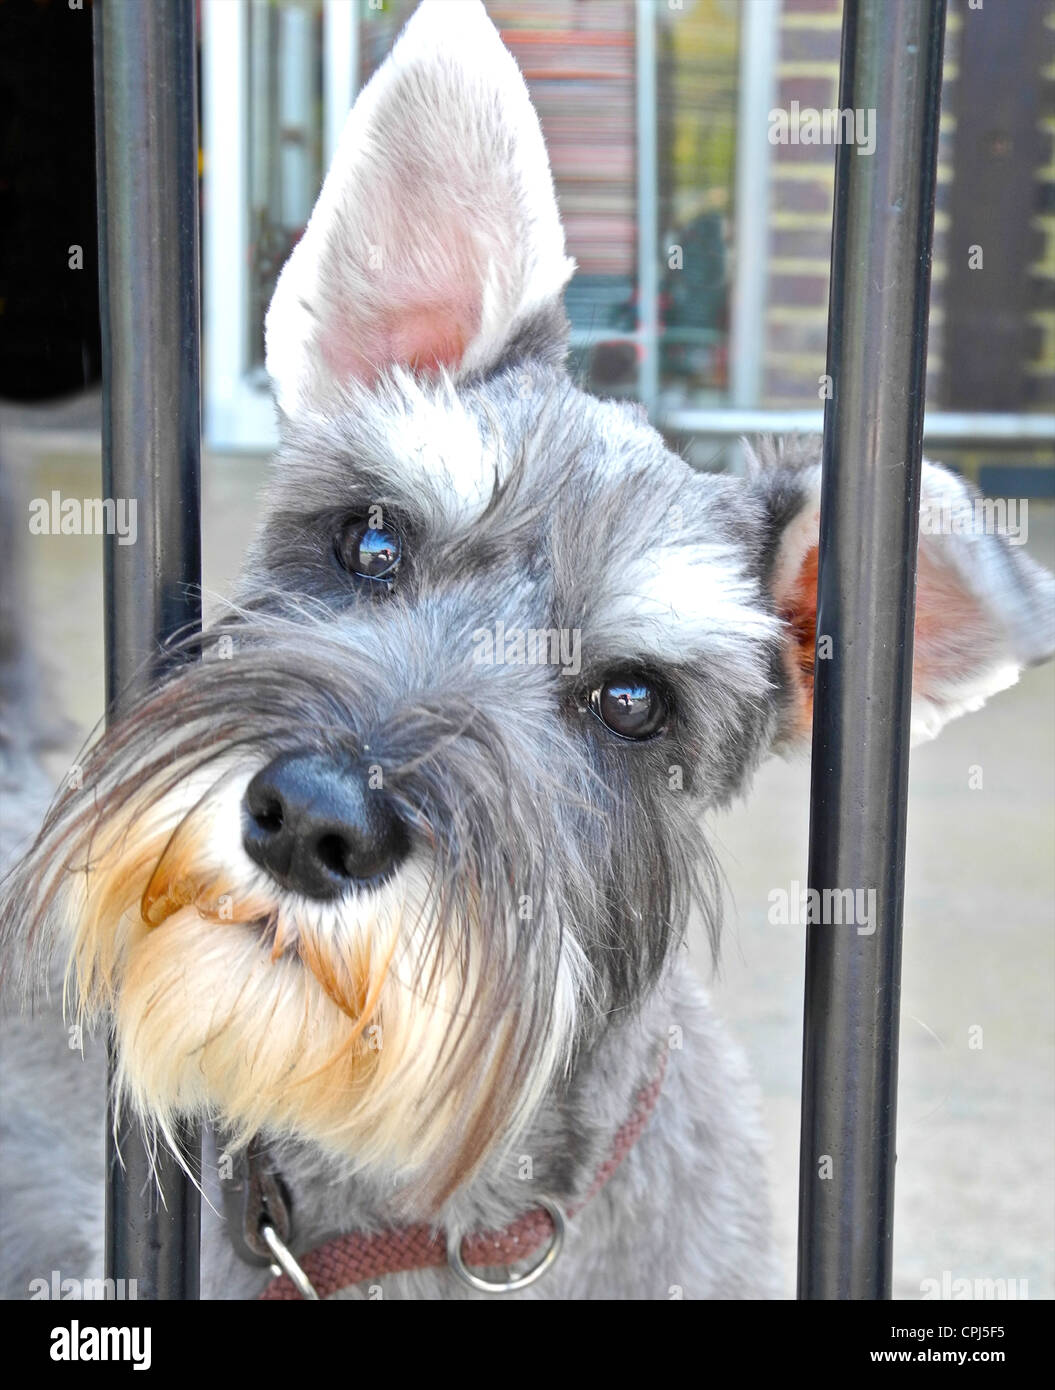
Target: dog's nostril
pixel 333 852
pixel 270 817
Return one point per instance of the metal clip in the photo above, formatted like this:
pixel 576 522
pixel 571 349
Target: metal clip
pixel 255 1197
pixel 286 1263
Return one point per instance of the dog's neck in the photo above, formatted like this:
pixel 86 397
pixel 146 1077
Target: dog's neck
pixel 558 1156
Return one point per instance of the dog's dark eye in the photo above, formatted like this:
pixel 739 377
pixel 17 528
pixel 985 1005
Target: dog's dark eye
pixel 630 706
pixel 368 552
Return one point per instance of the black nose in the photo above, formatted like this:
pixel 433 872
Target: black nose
pixel 316 826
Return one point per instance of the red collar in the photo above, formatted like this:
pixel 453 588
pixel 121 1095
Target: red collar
pixel 357 1258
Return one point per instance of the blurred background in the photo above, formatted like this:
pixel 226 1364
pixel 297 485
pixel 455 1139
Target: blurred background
pixel 702 286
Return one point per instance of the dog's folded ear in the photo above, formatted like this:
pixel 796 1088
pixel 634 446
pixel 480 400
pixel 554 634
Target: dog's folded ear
pixel 984 609
pixel 436 242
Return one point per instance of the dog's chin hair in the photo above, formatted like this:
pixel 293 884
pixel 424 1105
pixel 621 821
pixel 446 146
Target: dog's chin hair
pixel 355 1025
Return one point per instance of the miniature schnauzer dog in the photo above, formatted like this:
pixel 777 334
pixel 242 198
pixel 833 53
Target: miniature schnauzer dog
pixel 390 887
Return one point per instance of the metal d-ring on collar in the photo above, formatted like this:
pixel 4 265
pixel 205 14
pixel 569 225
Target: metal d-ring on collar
pixel 474 1281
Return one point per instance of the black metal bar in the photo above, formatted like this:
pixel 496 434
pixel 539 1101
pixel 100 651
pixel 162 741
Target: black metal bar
pixel 147 162
pixel 873 431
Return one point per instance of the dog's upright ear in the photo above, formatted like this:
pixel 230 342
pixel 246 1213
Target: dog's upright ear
pixel 984 609
pixel 436 242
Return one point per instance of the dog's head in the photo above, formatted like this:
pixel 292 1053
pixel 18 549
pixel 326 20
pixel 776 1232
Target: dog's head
pixel 423 819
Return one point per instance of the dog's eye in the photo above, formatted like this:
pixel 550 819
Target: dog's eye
pixel 630 706
pixel 368 552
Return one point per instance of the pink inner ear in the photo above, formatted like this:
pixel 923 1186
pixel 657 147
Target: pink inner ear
pixel 428 338
pixel 417 311
pixel 423 337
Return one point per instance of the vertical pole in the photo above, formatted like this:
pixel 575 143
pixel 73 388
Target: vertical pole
pixel 873 428
pixel 147 178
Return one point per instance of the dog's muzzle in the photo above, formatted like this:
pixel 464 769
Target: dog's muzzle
pixel 317 827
